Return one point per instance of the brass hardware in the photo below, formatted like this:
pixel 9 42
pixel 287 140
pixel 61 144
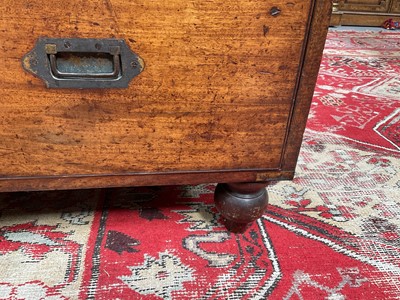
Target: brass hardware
pixel 69 75
pixel 275 11
pixel 83 63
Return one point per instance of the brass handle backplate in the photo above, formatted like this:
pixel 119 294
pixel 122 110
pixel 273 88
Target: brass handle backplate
pixel 83 63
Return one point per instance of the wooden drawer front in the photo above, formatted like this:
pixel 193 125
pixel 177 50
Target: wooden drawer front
pixel 216 92
pixel 365 5
pixel 395 6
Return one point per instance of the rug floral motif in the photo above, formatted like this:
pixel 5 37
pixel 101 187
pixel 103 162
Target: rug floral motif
pixel 358 89
pixel 331 233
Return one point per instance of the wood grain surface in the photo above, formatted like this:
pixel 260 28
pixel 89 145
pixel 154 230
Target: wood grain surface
pixel 365 13
pixel 216 94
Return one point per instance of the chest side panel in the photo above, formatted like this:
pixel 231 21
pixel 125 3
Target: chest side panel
pixel 215 94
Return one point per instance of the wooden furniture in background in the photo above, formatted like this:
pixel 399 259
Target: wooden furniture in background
pixel 223 97
pixel 364 12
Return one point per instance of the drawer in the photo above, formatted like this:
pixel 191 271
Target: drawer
pixel 223 95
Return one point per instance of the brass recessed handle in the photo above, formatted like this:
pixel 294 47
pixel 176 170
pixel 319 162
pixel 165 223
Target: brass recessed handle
pixel 70 75
pixel 79 63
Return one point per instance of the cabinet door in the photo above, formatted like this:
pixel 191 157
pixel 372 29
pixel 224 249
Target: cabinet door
pixel 365 5
pixel 395 6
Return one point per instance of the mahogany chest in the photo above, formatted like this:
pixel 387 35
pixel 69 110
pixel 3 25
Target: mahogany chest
pixel 112 93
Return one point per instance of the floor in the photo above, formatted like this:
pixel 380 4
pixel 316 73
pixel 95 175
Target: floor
pixel 356 28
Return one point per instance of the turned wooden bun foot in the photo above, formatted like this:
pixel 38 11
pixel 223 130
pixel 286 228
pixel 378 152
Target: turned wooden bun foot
pixel 240 203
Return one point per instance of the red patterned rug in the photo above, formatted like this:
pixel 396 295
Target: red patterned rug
pixel 332 233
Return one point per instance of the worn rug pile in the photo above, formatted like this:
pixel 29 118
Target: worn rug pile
pixel 332 233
